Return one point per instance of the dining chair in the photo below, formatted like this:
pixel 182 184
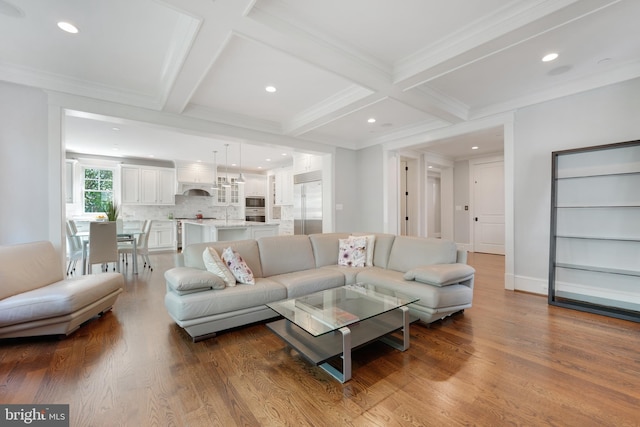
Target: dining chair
pixel 103 244
pixel 142 246
pixel 74 246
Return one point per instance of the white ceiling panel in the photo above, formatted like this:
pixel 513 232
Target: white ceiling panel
pixel 389 114
pixel 237 81
pixel 595 44
pixel 105 53
pixel 385 30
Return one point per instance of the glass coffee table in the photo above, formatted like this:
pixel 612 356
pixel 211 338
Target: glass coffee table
pixel 323 325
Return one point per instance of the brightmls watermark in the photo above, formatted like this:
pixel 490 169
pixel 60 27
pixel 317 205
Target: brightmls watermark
pixel 36 415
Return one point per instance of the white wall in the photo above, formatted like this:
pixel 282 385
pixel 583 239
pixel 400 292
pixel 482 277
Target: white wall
pixel 601 116
pixel 24 167
pixel 346 190
pixel 461 198
pixel 370 187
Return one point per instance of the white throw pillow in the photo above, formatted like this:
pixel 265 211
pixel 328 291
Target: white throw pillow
pixel 352 252
pixel 238 266
pixel 371 243
pixel 215 265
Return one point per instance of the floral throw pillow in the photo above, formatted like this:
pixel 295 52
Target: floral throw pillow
pixel 352 252
pixel 238 266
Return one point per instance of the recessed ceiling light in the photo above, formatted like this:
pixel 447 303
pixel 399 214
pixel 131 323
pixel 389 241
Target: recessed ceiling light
pixel 429 167
pixel 69 28
pixel 475 147
pixel 270 89
pixel 116 129
pixel 267 160
pixel 284 154
pixel 549 57
pixel 371 120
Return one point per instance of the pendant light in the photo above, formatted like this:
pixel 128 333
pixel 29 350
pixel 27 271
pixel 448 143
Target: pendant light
pixel 215 185
pixel 225 181
pixel 240 179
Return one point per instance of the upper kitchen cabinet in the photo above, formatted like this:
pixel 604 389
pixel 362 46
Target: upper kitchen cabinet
pixel 255 185
pixel 231 195
pixel 283 186
pixel 306 163
pixel 147 185
pixel 195 173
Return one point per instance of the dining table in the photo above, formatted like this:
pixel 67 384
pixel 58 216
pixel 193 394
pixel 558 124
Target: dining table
pixel 124 236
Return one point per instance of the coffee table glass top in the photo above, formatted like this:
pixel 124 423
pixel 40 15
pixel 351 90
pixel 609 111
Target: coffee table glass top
pixel 332 309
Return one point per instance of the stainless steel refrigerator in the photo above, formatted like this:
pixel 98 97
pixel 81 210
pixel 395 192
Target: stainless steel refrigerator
pixel 307 203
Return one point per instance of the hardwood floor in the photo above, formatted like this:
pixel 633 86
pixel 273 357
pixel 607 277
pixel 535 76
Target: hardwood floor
pixel 510 360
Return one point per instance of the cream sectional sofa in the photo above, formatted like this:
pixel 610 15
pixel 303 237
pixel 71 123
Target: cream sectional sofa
pixel 290 266
pixel 36 298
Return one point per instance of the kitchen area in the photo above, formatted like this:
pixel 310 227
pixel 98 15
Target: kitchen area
pixel 185 205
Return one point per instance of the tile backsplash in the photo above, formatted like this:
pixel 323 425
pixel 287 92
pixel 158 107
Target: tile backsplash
pixel 185 207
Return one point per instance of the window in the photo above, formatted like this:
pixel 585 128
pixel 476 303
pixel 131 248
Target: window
pixel 98 189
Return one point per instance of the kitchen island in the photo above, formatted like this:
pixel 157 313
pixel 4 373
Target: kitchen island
pixel 218 230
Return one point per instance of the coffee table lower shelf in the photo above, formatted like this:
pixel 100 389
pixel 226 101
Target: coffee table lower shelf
pixel 320 349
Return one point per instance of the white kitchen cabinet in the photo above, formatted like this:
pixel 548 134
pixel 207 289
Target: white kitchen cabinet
pixel 162 236
pixel 306 163
pixel 130 185
pixel 255 185
pixel 147 185
pixel 166 186
pixel 284 187
pixel 195 173
pixel 232 195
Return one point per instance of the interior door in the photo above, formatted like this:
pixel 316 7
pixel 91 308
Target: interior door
pixel 488 197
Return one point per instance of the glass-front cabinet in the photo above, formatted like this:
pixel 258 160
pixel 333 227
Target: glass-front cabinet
pixel 594 252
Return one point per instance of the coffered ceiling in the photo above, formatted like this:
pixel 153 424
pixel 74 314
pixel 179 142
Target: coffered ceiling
pixel 415 66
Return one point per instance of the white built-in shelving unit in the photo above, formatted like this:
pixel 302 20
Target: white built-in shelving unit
pixel 594 257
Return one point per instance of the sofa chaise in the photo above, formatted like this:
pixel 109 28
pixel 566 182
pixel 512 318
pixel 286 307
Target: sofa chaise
pixel 290 266
pixel 36 298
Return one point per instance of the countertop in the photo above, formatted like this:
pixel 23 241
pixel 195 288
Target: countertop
pixel 231 223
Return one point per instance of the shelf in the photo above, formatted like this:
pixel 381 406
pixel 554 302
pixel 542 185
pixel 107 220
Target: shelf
pixel 598 269
pixel 634 205
pixel 608 238
pixel 600 170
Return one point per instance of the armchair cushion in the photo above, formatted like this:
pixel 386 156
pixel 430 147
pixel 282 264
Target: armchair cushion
pixel 440 274
pixel 187 279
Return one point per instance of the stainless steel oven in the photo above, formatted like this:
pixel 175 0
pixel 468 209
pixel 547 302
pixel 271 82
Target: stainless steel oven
pixel 254 214
pixel 254 202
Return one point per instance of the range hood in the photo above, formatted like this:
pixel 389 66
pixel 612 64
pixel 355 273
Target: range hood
pixel 191 189
pixel 196 192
